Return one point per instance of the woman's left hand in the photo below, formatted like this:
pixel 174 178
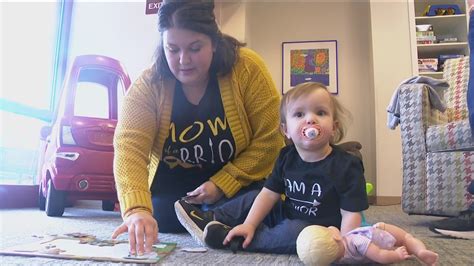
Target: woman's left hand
pixel 207 193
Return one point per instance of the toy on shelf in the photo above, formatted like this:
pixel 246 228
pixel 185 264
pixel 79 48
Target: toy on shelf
pixel 441 10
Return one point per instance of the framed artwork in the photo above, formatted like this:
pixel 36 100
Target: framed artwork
pixel 310 61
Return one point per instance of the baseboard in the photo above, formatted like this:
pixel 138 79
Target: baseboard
pixel 384 200
pixel 371 200
pixel 18 196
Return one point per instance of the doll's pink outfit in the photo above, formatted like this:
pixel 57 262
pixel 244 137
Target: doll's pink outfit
pixel 357 241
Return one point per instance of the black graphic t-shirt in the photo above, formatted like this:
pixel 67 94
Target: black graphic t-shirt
pixel 316 191
pixel 199 143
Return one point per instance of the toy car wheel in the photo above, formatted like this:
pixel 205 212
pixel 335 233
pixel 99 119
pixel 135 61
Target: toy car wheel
pixel 41 197
pixel 54 201
pixel 108 205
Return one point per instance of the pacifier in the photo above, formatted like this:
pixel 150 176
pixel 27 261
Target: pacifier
pixel 311 133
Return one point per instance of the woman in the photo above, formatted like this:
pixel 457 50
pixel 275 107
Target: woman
pixel 201 123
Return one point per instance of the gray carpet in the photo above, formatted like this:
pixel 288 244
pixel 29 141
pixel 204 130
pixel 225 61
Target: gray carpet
pixel 19 226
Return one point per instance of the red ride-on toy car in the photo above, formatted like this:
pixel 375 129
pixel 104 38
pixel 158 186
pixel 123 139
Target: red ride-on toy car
pixel 76 151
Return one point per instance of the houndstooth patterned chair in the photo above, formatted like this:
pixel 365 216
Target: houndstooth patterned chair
pixel 438 150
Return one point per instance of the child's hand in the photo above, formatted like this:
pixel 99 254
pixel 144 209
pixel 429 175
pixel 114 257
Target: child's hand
pixel 245 230
pixel 402 253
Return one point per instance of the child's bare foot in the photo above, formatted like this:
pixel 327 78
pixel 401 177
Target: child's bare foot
pixel 427 256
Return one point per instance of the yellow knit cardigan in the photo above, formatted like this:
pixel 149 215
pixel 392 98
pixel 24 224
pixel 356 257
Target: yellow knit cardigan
pixel 251 104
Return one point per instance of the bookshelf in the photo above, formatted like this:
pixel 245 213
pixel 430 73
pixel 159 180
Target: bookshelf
pixel 449 34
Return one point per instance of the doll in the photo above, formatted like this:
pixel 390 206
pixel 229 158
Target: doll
pixel 382 243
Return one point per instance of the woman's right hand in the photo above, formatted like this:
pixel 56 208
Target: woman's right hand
pixel 207 193
pixel 142 231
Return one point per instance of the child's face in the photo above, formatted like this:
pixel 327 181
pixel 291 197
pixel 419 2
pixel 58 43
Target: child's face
pixel 310 111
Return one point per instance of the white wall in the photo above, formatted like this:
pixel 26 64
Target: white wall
pixel 374 57
pixel 120 30
pixel 373 52
pixel 271 23
pixel 392 64
pixel 231 17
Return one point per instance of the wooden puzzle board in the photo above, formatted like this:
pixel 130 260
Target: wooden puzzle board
pixel 67 247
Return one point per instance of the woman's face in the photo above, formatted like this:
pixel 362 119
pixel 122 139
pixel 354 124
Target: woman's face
pixel 189 55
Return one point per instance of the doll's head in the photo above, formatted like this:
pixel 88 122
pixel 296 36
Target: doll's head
pixel 319 246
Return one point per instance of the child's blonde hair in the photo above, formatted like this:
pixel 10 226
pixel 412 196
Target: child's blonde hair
pixel 340 114
pixel 316 246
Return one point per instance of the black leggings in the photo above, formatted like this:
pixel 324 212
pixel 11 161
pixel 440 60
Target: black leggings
pixel 164 214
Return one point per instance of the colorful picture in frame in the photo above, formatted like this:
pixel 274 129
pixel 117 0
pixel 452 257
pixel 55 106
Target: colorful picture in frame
pixel 310 61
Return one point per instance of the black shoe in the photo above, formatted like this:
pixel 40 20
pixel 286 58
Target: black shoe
pixel 193 219
pixel 461 226
pixel 215 233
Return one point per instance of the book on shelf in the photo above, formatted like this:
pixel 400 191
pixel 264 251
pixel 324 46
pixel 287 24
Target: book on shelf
pixel 424 27
pixel 427 64
pixel 443 57
pixel 424 33
pixel 447 39
pixel 426 38
pixel 425 42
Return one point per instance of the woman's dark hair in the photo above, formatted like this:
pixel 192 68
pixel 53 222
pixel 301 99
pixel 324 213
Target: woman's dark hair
pixel 198 16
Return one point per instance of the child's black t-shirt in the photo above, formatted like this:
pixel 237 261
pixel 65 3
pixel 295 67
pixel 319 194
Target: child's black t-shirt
pixel 316 191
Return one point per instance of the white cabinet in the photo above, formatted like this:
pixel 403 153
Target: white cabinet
pixel 454 27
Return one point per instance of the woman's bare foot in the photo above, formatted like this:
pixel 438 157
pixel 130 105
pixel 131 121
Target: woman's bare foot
pixel 427 256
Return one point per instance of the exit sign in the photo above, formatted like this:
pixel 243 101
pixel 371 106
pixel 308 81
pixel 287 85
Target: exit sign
pixel 152 6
